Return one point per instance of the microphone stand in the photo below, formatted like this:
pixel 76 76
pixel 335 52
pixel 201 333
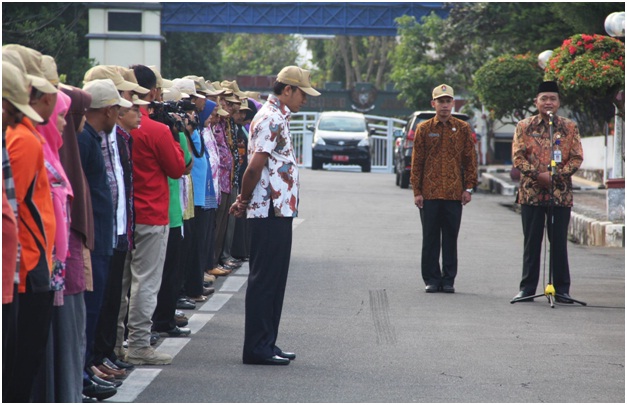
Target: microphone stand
pixel 549 290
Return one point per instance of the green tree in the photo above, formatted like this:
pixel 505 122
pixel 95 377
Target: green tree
pixel 55 29
pixel 191 53
pixel 520 75
pixel 258 54
pixel 591 71
pixel 352 59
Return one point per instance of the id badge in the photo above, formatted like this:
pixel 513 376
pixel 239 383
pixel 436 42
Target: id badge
pixel 557 156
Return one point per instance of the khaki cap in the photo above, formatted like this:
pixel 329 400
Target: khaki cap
pixel 233 87
pixel 199 83
pixel 186 86
pixel 32 61
pixel 129 76
pixel 218 86
pixel 161 82
pixel 175 95
pixel 139 101
pixel 109 72
pixel 255 95
pixel 49 68
pixel 443 90
pixel 104 94
pixel 295 76
pixel 16 90
pixel 211 90
pixel 244 105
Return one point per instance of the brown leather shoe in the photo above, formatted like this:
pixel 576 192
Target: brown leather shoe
pixel 101 375
pixel 218 272
pixel 117 374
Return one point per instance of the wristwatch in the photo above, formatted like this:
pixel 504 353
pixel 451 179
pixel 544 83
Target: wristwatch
pixel 469 190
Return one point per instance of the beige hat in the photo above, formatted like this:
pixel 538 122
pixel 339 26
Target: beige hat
pixel 211 90
pixel 49 68
pixel 199 83
pixel 233 87
pixel 218 87
pixel 110 72
pixel 244 105
pixel 443 90
pixel 16 90
pixel 32 61
pixel 222 112
pixel 104 94
pixel 233 99
pixel 129 76
pixel 139 101
pixel 295 76
pixel 186 86
pixel 255 95
pixel 161 82
pixel 175 95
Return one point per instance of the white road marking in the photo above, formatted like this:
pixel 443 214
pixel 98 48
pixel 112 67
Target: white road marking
pixel 134 384
pixel 215 302
pixel 233 283
pixel 198 321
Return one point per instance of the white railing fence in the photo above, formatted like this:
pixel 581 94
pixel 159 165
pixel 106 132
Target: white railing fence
pixel 381 143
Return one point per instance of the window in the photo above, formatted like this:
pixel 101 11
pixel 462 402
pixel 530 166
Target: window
pixel 124 21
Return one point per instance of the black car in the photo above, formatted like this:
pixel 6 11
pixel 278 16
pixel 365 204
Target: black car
pixel 404 145
pixel 341 137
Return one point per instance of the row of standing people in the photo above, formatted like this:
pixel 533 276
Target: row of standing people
pixel 115 217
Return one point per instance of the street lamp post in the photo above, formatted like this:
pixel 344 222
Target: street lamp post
pixel 615 27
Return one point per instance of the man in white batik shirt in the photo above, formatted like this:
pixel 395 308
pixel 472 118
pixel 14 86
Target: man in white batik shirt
pixel 269 199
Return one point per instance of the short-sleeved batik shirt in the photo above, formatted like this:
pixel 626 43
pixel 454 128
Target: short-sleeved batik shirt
pixel 270 133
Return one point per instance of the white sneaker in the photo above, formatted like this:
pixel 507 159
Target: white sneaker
pixel 147 356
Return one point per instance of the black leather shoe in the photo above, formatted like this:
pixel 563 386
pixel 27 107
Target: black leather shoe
pixel 431 288
pixel 270 361
pixel 123 365
pixel 105 383
pixel 99 392
pixel 287 355
pixel 154 338
pixel 176 332
pixel 564 298
pixel 522 294
pixel 448 289
pixel 183 303
pixel 208 290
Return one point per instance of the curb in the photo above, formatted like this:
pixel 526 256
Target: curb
pixel 581 229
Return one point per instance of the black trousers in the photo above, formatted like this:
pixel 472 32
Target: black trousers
pixel 26 345
pixel 441 220
pixel 197 254
pixel 163 317
pixel 93 301
pixel 107 327
pixel 534 221
pixel 270 250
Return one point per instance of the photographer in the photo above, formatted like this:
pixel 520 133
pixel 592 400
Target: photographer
pixel 204 198
pixel 165 322
pixel 156 156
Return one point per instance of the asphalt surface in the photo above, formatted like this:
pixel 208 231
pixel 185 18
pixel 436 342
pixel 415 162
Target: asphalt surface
pixel 364 330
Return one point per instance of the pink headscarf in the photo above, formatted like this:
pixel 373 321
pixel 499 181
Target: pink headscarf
pixel 59 183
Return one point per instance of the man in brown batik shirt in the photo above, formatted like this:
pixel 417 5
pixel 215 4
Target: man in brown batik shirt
pixel 443 175
pixel 544 196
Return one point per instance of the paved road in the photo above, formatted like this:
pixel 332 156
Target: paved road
pixel 364 331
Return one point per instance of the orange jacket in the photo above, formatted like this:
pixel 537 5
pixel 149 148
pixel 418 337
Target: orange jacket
pixel 36 226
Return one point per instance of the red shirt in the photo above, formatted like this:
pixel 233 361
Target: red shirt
pixel 156 156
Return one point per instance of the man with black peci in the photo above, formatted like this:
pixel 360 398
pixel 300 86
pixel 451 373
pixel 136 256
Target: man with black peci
pixel 541 195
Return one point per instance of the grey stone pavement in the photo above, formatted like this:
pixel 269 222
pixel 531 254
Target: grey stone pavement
pixel 364 330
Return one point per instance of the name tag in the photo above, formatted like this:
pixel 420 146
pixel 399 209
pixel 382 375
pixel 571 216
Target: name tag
pixel 536 135
pixel 433 135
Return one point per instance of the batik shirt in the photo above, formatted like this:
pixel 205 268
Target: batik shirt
pixel 279 182
pixel 226 157
pixel 532 152
pixel 444 161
